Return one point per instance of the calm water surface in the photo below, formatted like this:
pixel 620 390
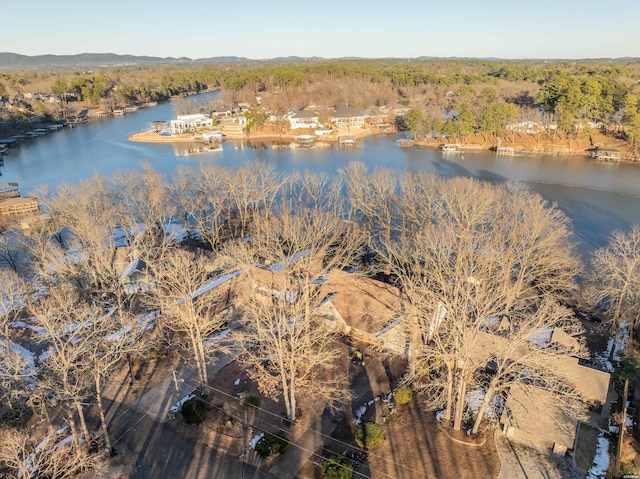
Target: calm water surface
pixel 597 197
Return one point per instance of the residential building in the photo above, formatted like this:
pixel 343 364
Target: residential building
pixel 348 117
pixel 366 310
pixel 376 117
pixel 528 127
pixel 188 123
pixel 531 414
pixel 304 119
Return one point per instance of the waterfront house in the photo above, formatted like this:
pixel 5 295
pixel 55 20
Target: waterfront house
pixel 376 117
pixel 188 123
pixel 221 111
pixel 304 119
pixel 399 110
pixel 531 413
pixel 348 117
pixel 528 127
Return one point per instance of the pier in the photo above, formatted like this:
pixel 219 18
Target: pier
pixel 606 154
pixel 505 150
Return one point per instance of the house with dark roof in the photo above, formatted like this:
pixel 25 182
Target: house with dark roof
pixel 348 117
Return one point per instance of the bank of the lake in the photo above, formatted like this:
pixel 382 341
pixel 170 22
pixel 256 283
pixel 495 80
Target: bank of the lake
pixel 534 145
pixel 150 136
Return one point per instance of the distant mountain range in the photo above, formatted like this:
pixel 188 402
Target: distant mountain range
pixel 15 60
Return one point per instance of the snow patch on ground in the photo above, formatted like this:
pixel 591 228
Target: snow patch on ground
pixel 440 416
pixel 177 406
pixel 541 336
pixel 601 460
pixel 221 335
pixel 622 340
pixel 26 363
pixel 255 439
pixel 474 402
pixel 360 412
pixel 237 382
pixel 603 358
pixel 291 260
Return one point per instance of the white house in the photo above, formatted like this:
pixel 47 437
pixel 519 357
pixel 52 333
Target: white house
pixel 527 127
pixel 304 119
pixel 186 123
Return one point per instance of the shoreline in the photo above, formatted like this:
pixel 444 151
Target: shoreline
pixel 524 145
pixel 149 136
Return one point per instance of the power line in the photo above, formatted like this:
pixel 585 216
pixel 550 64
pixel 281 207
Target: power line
pixel 329 437
pixel 281 429
pixel 262 429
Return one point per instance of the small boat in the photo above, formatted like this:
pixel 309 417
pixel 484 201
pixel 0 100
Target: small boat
pixel 449 148
pixel 404 143
pixel 118 112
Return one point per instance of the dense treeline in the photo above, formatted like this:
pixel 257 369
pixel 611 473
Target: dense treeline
pixel 452 98
pixel 170 80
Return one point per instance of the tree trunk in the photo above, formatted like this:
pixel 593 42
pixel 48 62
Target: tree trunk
pixel 460 403
pixel 483 407
pixel 72 426
pixel 292 400
pixel 625 393
pixel 447 410
pixel 83 423
pixel 103 421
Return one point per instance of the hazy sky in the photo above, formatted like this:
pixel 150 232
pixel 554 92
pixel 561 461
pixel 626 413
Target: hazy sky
pixel 327 28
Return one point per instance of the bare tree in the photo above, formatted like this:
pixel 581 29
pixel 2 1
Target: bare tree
pixel 201 199
pixel 512 356
pixel 145 210
pixel 25 454
pixel 192 306
pixel 284 346
pixel 11 247
pixel 250 190
pixel 451 267
pixel 16 365
pixel 116 334
pixel 67 327
pixel 614 281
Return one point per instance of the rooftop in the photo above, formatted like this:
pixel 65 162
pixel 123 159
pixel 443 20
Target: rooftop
pixel 346 112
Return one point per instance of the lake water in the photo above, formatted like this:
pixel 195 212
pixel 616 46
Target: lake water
pixel 599 198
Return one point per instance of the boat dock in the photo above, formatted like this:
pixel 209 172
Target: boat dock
pixel 347 140
pixel 606 154
pixel 404 143
pixel 505 150
pixel 305 141
pixel 449 148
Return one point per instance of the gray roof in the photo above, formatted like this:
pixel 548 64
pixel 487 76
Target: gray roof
pixel 305 114
pixel 347 112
